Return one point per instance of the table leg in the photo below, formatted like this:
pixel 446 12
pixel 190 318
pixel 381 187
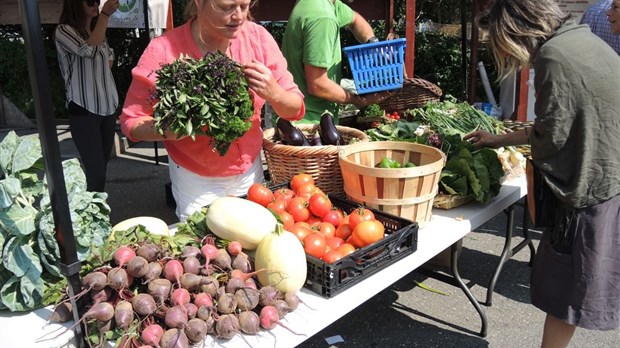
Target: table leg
pixel 156 148
pixel 507 252
pixel 457 277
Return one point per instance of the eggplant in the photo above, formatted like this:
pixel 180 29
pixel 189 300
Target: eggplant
pixel 289 134
pixel 328 131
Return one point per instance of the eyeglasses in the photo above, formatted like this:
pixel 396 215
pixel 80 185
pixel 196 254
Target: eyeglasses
pixel 91 3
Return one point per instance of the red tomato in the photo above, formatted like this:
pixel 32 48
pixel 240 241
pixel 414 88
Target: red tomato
pixel 260 194
pixel 303 224
pixel 368 232
pixel 360 214
pixel 277 206
pixel 298 207
pixel 346 248
pixel 306 190
pixel 287 220
pixel 334 243
pixel 326 229
pixel 343 231
pixel 319 204
pixel 300 179
pixel 315 245
pixel 300 232
pixel 313 220
pixel 284 194
pixel 332 217
pixel 333 256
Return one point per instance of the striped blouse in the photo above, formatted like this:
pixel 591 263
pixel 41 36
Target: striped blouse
pixel 86 70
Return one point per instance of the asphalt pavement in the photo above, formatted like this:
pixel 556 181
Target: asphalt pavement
pixel 404 314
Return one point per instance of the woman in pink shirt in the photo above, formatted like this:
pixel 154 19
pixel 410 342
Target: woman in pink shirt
pixel 198 174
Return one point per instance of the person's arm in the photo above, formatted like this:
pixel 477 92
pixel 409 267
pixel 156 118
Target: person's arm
pixel 361 29
pixel 320 86
pixel 97 36
pixel 485 139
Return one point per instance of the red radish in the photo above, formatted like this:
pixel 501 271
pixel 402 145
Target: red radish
pixel 152 334
pixel 203 299
pixel 179 296
pixel 269 319
pixel 173 269
pixel 234 248
pixel 123 255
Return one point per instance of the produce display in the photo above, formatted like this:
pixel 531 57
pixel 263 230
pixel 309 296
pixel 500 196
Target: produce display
pixel 180 104
pixel 175 290
pixel 469 172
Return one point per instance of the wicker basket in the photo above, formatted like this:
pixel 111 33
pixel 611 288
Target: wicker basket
pixel 285 161
pixel 404 192
pixel 415 93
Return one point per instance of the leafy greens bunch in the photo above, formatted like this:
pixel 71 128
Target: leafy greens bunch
pixel 29 271
pixel 207 96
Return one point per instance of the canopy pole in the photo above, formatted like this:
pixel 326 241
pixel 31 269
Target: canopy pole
pixel 39 82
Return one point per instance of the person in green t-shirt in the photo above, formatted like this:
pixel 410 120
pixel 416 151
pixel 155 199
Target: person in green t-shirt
pixel 311 46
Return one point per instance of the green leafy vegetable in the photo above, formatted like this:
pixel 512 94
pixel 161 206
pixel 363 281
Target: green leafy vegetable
pixel 207 96
pixel 30 255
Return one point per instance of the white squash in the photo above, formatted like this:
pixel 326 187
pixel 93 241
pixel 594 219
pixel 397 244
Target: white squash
pixel 152 224
pixel 234 218
pixel 282 257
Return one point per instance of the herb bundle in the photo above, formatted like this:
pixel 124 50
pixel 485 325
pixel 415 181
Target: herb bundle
pixel 207 96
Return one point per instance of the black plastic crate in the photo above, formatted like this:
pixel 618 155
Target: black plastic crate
pixel 330 279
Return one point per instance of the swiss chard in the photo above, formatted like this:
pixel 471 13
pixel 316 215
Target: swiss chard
pixel 207 96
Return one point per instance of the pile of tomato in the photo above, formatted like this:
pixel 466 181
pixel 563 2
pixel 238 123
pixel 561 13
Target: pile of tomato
pixel 325 231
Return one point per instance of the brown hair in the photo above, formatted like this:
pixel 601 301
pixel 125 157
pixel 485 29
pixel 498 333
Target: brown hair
pixel 517 29
pixel 72 14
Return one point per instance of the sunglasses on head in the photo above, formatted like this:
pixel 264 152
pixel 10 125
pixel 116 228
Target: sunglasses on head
pixel 91 3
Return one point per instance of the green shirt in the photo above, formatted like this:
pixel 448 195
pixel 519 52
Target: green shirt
pixel 312 36
pixel 576 135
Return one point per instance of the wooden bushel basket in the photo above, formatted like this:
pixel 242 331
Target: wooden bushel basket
pixel 404 192
pixel 415 93
pixel 285 161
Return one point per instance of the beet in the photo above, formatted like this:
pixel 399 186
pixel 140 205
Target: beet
pixel 160 289
pixel 250 283
pixel 150 252
pixel 152 334
pixel 137 267
pixel 242 263
pixel 227 326
pixel 205 312
pixel 102 311
pixel 268 295
pixel 102 295
pixel 144 304
pixel 174 338
pixel 123 315
pixel 282 308
pixel 154 271
pixel 227 303
pixel 203 299
pixel 179 296
pixel 222 260
pixel 190 251
pixel 292 300
pixel 173 269
pixel 192 282
pixel 196 330
pixel 233 285
pixel 176 317
pixel 247 298
pixel 192 265
pixel 123 255
pixel 63 312
pixel 210 285
pixel 249 322
pixel 117 278
pixel 95 281
pixel 191 309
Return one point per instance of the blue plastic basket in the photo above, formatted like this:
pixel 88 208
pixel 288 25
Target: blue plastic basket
pixel 377 66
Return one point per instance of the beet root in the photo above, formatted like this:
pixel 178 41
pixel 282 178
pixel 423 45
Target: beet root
pixel 123 315
pixel 174 338
pixel 249 322
pixel 227 326
pixel 226 303
pixel 196 330
pixel 176 317
pixel 247 298
pixel 137 267
pixel 144 304
pixel 160 289
pixel 152 334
